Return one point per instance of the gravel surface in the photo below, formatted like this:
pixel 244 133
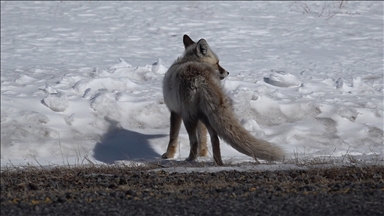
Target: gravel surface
pixel 139 191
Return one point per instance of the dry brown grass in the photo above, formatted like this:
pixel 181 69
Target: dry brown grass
pixel 41 185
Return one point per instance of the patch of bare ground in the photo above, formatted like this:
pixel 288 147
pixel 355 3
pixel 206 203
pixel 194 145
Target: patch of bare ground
pixel 120 190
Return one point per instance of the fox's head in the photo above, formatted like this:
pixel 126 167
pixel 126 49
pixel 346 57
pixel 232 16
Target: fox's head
pixel 203 53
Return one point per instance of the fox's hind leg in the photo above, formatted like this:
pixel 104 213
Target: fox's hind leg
pixel 191 126
pixel 202 139
pixel 215 143
pixel 216 148
pixel 173 135
pixel 214 140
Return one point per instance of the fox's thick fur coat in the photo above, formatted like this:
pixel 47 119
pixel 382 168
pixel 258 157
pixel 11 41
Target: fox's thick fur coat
pixel 193 93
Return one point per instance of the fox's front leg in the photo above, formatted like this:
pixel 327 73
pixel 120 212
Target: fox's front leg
pixel 202 139
pixel 173 135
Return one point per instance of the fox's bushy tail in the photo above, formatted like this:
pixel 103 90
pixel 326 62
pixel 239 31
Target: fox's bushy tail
pixel 217 108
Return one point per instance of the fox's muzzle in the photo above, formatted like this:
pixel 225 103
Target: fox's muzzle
pixel 223 73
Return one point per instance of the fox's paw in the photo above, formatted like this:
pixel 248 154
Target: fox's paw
pixel 191 158
pixel 167 155
pixel 203 153
pixel 219 163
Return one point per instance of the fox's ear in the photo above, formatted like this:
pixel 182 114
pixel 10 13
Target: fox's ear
pixel 202 47
pixel 187 41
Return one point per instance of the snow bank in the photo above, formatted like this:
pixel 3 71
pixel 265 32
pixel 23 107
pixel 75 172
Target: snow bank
pixel 81 81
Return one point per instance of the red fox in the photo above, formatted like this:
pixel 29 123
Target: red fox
pixel 193 94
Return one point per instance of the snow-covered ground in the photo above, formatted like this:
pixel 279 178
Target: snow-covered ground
pixel 81 81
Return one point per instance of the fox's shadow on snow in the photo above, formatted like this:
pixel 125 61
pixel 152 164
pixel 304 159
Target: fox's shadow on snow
pixel 121 144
